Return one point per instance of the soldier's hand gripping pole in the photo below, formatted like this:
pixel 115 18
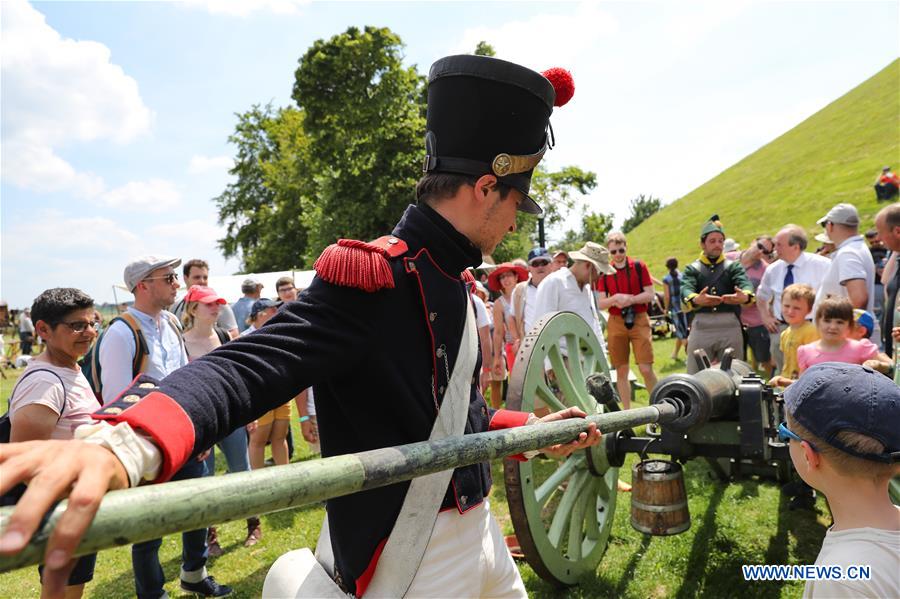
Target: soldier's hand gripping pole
pixel 149 512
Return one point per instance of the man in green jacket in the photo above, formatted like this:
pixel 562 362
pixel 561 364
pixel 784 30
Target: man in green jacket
pixel 715 288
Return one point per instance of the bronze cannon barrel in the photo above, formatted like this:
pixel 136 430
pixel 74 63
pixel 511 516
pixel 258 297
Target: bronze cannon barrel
pixel 707 395
pixel 151 511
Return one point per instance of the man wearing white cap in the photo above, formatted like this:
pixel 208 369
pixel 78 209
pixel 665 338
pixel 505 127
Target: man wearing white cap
pixel 251 288
pixel 852 270
pixel 154 283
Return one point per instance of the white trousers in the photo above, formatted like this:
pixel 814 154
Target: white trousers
pixel 467 557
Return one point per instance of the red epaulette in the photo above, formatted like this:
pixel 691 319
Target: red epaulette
pixel 352 263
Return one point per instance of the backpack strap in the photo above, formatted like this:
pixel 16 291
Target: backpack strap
pixel 223 335
pixel 141 351
pixel 29 373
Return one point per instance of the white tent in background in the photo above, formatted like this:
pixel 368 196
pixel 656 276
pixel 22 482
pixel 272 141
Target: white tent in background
pixel 229 286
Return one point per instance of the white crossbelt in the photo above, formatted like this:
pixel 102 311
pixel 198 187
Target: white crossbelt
pixel 406 545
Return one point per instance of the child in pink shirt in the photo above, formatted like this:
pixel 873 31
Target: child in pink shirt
pixel 835 322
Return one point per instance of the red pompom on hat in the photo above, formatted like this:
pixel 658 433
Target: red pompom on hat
pixel 562 82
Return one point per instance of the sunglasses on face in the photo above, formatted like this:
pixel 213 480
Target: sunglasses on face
pixel 80 326
pixel 763 249
pixel 785 434
pixel 618 251
pixel 169 278
pixel 540 262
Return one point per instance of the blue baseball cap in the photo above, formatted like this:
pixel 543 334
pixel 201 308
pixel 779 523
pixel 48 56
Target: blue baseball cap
pixel 864 319
pixel 833 397
pixel 538 254
pixel 262 304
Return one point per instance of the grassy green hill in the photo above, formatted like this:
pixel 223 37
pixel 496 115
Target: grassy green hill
pixel 833 156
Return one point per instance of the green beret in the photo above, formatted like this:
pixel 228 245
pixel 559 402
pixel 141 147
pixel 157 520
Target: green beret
pixel 713 225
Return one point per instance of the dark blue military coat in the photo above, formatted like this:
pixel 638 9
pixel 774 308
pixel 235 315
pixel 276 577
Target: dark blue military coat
pixel 379 362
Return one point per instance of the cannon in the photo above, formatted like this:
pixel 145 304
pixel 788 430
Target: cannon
pixel 562 511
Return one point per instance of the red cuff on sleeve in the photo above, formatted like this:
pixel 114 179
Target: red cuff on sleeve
pixel 160 417
pixel 507 419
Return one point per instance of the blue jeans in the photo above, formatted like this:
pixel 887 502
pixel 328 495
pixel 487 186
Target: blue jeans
pixel 234 446
pixel 148 573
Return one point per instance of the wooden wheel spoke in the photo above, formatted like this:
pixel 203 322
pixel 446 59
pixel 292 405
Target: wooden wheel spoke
pixel 576 522
pixel 564 378
pixel 548 397
pixel 591 522
pixel 543 493
pixel 566 504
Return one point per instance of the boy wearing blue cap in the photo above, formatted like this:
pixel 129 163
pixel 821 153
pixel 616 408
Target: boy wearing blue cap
pixel 842 427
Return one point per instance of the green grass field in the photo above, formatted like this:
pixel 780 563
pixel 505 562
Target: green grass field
pixel 745 522
pixel 833 156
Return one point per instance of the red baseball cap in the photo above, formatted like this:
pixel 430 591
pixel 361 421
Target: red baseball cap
pixel 207 295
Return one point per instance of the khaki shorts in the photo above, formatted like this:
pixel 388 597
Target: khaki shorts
pixel 619 339
pixel 282 412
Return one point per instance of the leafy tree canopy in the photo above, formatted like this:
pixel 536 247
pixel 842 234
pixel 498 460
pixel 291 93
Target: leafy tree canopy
pixel 344 161
pixel 642 208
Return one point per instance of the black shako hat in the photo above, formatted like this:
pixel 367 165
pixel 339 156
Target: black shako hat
pixel 487 115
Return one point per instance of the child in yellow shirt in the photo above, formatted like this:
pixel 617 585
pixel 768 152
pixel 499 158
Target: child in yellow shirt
pixel 796 303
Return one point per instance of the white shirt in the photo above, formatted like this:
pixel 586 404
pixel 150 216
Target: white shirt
pixel 874 547
pixel 851 260
pixel 481 314
pixel 559 291
pixel 530 308
pixel 117 351
pixel 808 268
pixel 25 324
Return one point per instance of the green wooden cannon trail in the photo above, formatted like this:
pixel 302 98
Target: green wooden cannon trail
pixel 148 512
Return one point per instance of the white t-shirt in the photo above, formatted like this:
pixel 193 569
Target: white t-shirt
pixel 76 404
pixel 481 314
pixel 559 291
pixel 310 403
pixel 851 260
pixel 874 547
pixel 530 309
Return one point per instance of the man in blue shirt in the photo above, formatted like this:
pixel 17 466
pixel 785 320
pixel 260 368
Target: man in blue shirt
pixel 251 288
pixel 154 283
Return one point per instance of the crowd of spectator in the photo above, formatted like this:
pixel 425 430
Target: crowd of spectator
pixel 786 307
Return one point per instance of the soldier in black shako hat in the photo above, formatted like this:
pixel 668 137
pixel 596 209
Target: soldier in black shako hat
pixel 381 333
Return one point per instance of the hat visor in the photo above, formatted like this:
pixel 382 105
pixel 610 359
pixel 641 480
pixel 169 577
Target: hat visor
pixel 212 299
pixel 822 221
pixel 529 206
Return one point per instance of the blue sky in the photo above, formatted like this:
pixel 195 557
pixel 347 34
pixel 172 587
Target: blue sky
pixel 115 116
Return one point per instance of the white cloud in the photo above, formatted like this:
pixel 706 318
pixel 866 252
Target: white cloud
pixel 50 233
pixel 55 91
pixel 524 42
pixel 199 231
pixel 203 164
pixel 244 8
pixel 154 195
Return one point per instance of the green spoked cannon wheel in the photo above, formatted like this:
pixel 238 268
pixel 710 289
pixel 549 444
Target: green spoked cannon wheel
pixel 562 510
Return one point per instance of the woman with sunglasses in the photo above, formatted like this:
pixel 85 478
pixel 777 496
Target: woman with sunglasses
pixel 53 397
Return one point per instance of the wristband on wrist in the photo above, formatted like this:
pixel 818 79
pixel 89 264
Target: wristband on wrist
pixel 304 418
pixel 486 369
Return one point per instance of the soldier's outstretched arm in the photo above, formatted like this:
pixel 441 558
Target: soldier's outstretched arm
pixel 307 341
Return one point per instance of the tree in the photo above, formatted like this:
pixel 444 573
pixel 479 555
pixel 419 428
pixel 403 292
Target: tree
pixel 595 226
pixel 364 115
pixel 484 49
pixel 642 208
